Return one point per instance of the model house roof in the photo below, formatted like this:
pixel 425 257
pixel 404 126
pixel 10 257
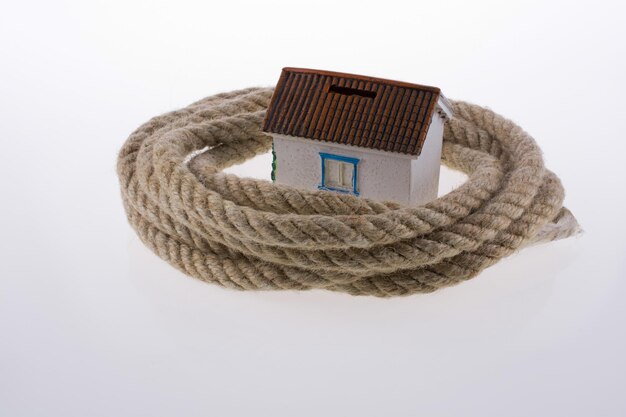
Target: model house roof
pixel 353 109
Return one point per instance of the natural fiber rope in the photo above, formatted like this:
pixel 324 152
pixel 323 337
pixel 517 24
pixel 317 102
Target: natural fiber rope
pixel 251 234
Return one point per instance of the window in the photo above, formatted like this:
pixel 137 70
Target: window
pixel 339 173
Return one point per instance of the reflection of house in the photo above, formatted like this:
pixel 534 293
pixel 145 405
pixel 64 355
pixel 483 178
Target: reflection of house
pixel 365 136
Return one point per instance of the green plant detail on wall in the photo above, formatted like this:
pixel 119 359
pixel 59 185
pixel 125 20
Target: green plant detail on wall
pixel 273 164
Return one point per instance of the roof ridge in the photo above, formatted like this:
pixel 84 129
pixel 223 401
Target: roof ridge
pixel 362 78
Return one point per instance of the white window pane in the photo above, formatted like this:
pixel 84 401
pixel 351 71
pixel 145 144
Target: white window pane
pixel 338 174
pixel 346 178
pixel 332 173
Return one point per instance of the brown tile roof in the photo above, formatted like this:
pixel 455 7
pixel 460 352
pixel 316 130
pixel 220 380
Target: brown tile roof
pixel 351 109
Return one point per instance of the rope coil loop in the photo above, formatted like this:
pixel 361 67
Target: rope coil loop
pixel 251 234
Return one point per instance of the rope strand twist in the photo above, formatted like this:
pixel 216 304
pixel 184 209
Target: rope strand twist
pixel 250 234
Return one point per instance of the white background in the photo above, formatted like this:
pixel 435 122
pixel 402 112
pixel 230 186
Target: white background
pixel 93 324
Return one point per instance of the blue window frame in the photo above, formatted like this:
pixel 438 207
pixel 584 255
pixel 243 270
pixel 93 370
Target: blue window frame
pixel 339 173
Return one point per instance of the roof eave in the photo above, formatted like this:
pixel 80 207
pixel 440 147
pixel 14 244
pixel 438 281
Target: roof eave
pixel 445 107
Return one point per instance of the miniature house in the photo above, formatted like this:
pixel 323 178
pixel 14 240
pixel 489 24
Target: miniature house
pixel 364 136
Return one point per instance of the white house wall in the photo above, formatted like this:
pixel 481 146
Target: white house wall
pixel 381 175
pixel 425 169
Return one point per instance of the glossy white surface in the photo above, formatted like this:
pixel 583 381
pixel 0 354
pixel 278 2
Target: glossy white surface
pixel 93 324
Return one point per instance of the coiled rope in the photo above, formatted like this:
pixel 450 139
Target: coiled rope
pixel 251 234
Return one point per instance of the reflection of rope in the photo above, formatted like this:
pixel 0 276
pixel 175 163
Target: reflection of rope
pixel 251 234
